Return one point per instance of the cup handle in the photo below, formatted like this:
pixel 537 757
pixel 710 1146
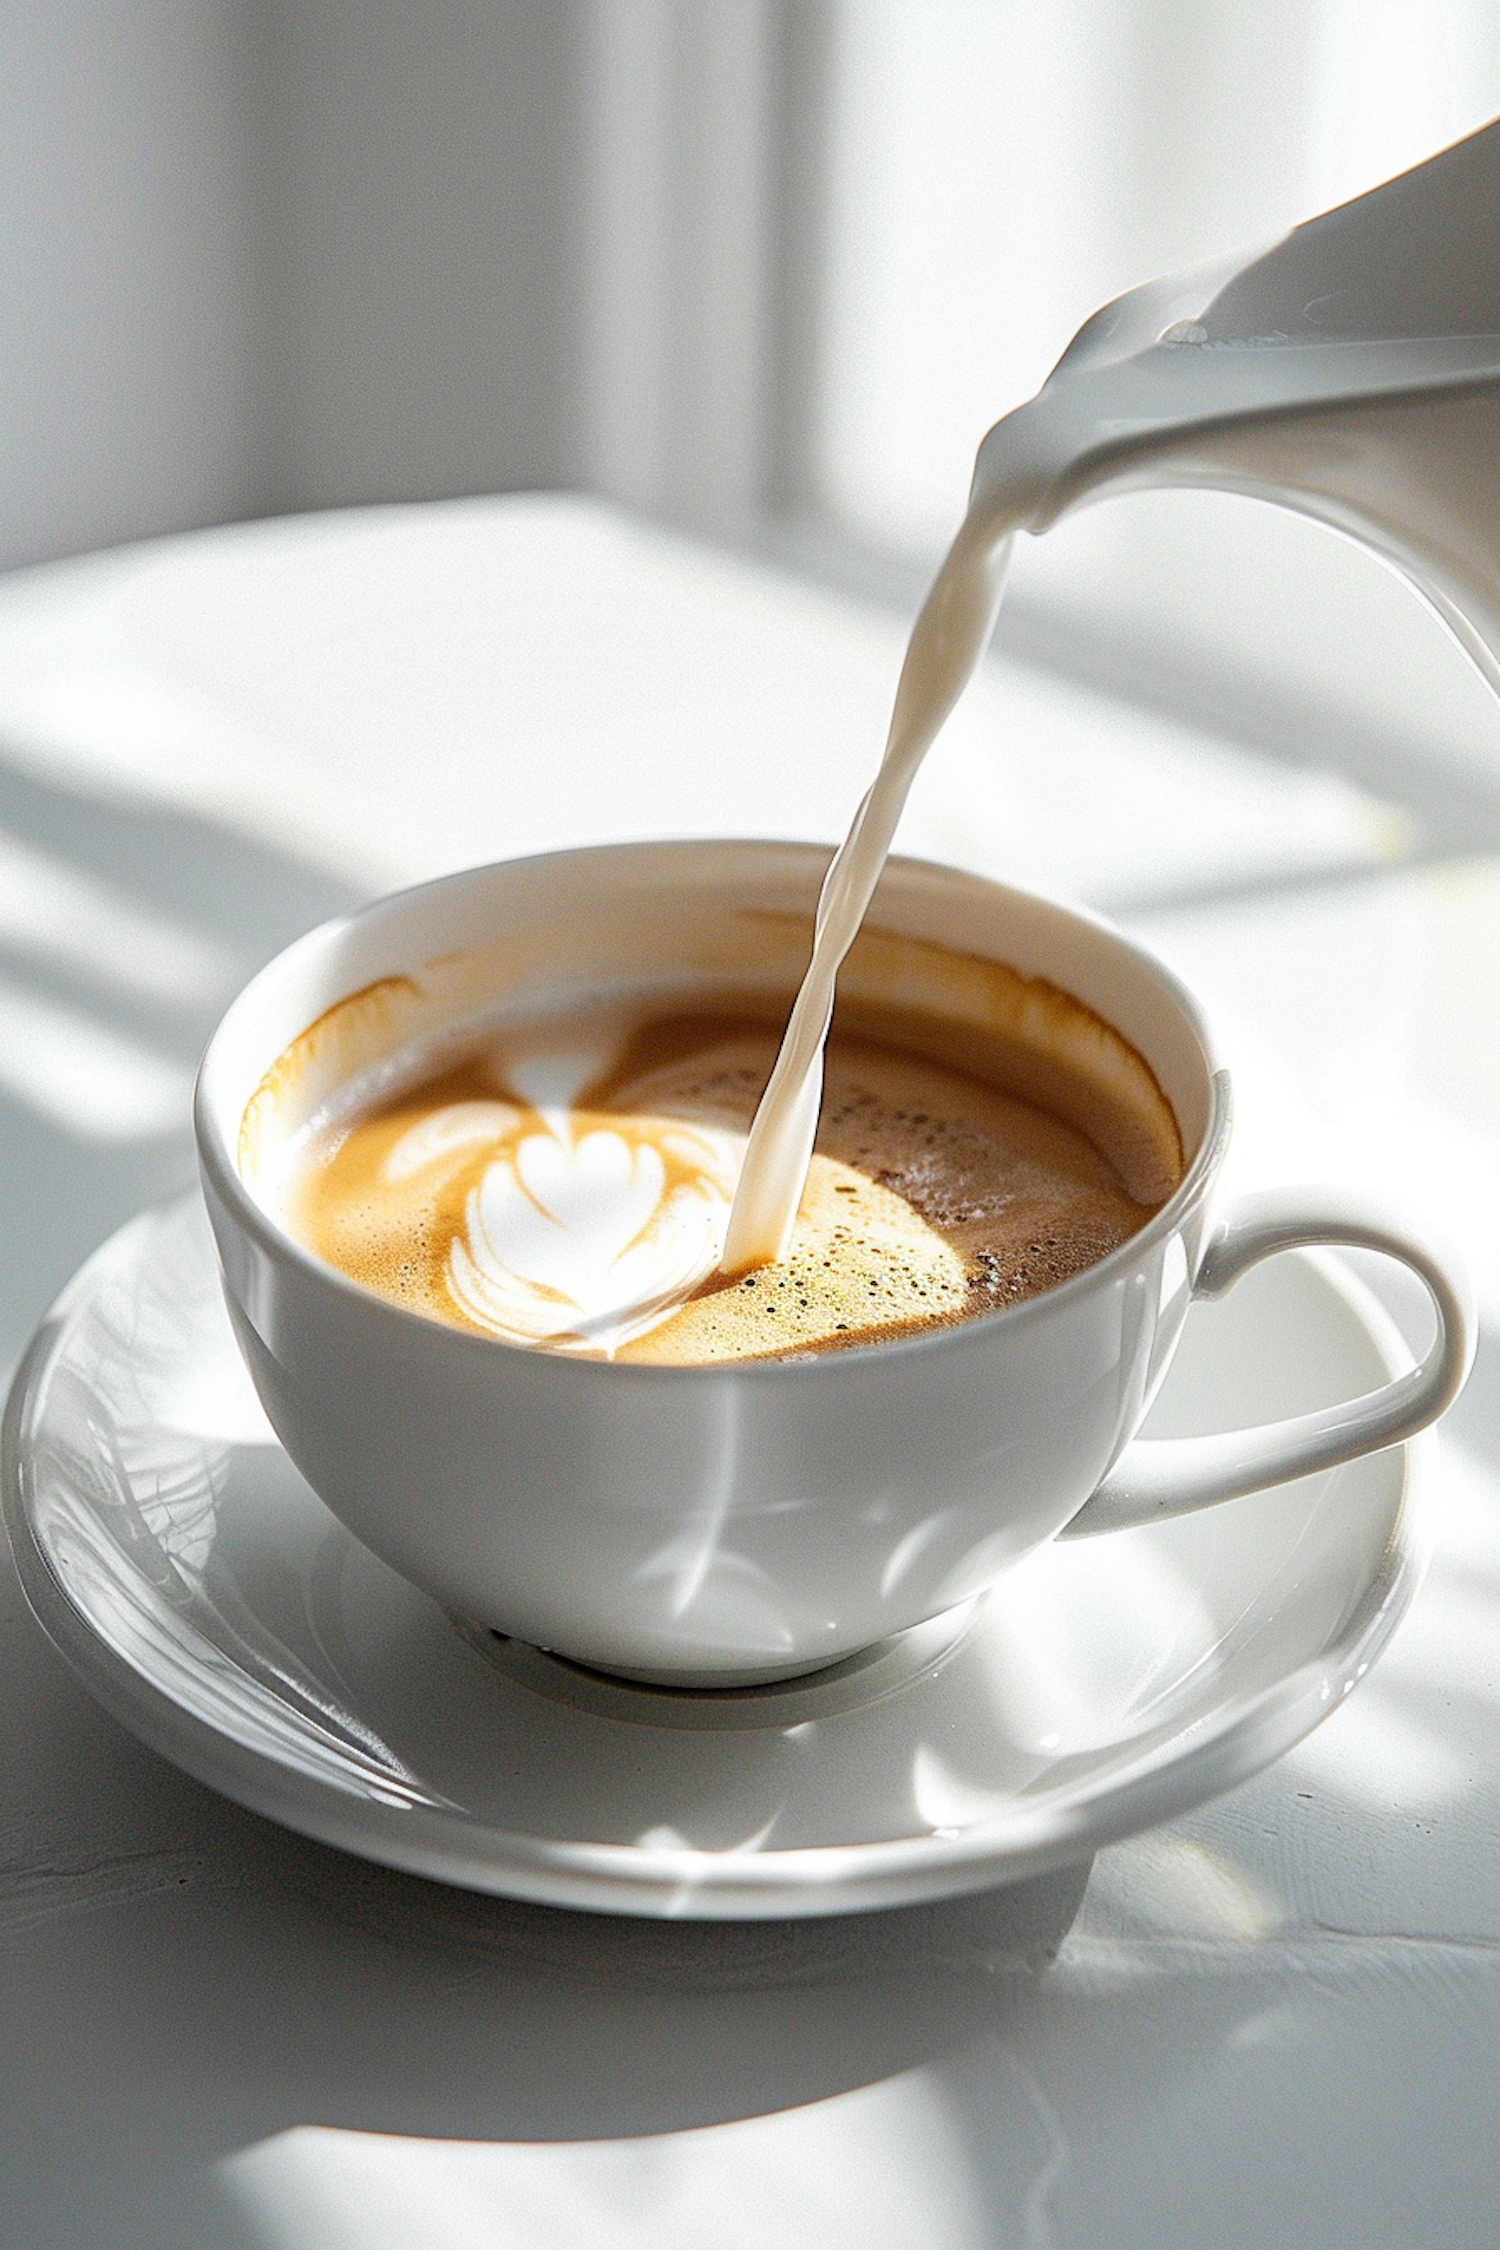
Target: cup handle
pixel 1155 1478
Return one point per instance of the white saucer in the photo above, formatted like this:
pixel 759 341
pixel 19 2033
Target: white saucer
pixel 212 1603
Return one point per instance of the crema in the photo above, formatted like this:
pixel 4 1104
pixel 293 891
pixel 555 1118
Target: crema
pixel 567 1184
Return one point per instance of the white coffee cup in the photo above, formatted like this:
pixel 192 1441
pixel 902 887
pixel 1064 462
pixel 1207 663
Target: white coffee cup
pixel 741 1522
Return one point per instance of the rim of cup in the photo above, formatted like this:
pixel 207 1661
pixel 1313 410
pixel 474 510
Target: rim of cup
pixel 219 1163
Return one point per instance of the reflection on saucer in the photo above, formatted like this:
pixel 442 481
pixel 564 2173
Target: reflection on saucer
pixel 211 1602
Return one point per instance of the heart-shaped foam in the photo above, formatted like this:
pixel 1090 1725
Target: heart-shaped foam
pixel 570 1209
pixel 589 1236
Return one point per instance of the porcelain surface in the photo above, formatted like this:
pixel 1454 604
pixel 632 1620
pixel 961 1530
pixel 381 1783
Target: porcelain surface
pixel 723 1526
pixel 699 1525
pixel 215 1606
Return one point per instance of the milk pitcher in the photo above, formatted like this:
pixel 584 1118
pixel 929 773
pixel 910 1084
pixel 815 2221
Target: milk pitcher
pixel 1351 372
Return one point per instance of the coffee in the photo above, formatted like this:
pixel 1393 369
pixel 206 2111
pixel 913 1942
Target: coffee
pixel 566 1182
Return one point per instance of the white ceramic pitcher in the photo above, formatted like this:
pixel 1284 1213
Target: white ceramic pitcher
pixel 1351 373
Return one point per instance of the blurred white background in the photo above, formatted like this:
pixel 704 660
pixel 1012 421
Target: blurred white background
pixel 764 268
pixel 994 172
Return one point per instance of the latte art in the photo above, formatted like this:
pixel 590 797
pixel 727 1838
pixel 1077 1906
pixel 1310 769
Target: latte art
pixel 569 1187
pixel 546 1221
pixel 586 1235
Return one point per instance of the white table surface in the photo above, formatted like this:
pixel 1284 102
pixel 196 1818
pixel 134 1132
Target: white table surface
pixel 1274 2022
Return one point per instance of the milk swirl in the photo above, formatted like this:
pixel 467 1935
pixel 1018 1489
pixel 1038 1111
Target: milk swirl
pixel 576 1230
pixel 577 1201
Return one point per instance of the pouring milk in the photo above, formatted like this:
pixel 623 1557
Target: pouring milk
pixel 1350 372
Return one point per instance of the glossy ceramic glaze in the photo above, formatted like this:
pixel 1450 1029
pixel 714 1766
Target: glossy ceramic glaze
pixel 210 1600
pixel 1349 372
pixel 726 1524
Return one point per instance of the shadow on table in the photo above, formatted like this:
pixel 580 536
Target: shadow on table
pixel 125 928
pixel 187 1999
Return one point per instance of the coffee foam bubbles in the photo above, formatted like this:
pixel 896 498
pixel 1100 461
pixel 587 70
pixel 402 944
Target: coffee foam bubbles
pixel 861 1263
pixel 932 1195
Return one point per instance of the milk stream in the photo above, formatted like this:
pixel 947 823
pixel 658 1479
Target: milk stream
pixel 1351 373
pixel 946 645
